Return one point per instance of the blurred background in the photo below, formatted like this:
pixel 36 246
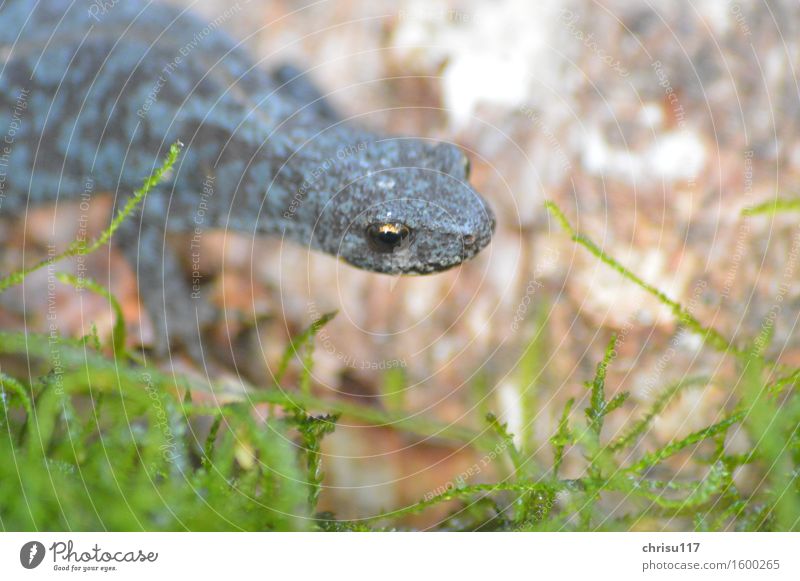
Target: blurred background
pixel 651 126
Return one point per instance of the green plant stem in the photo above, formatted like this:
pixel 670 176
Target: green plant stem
pixel 80 247
pixel 684 317
pixel 773 207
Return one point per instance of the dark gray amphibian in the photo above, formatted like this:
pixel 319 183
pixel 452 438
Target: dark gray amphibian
pixel 93 93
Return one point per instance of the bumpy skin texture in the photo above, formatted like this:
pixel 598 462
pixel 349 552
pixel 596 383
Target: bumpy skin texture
pixel 91 99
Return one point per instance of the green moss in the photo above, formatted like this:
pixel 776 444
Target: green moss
pixel 92 441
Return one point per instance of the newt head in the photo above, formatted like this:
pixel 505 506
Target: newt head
pixel 404 206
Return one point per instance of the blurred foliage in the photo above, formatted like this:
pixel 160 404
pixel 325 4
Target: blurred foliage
pixel 93 439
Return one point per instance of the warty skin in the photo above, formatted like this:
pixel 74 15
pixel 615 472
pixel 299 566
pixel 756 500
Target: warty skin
pixel 91 96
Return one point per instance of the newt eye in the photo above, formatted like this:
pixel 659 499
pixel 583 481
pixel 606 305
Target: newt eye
pixel 388 236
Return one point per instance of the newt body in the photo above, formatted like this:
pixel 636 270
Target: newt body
pixel 91 101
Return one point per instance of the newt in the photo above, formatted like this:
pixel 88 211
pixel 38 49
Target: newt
pixel 92 96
